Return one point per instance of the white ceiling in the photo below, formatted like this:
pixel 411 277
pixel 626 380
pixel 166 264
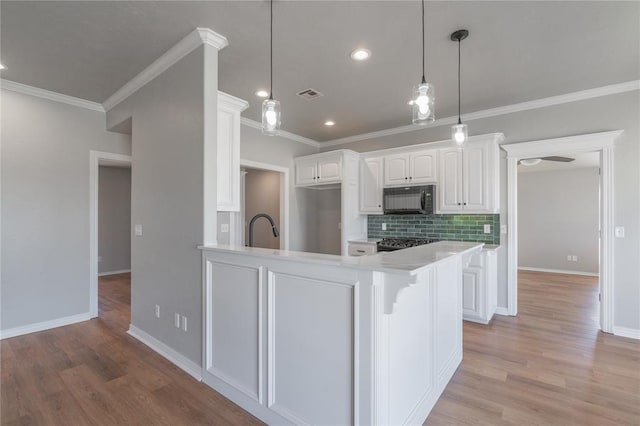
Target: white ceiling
pixel 516 52
pixel 585 160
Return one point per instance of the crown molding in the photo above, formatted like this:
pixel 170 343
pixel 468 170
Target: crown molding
pixel 288 135
pixel 52 96
pixel 195 38
pixel 612 89
pixel 232 102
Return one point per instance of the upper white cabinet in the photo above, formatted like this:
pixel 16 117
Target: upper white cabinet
pixel 371 172
pixel 469 178
pixel 229 109
pixel 411 168
pixel 319 169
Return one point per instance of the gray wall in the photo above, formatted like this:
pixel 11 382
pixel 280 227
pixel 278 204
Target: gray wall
pixel 262 195
pixel 168 140
pixel 614 112
pixel 114 219
pixel 45 206
pixel 558 215
pixel 327 235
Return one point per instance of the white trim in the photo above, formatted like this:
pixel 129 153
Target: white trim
pixel 179 360
pixel 95 159
pixel 500 310
pixel 602 142
pixel 282 133
pixel 49 95
pixel 45 325
pixel 285 183
pixel 581 95
pixel 121 271
pixel 558 271
pixel 632 333
pixel 185 46
pixel 229 101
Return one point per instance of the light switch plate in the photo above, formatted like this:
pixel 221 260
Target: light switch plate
pixel 619 231
pixel 224 227
pixel 138 230
pixel 487 228
pixel 384 226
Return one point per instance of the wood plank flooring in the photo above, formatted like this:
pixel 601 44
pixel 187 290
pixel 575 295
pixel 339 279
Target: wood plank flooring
pixel 548 366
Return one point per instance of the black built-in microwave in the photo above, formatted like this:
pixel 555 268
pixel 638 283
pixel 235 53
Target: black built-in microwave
pixel 409 200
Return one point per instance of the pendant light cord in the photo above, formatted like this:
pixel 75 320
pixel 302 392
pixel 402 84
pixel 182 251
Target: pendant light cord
pixel 423 79
pixel 459 114
pixel 271 49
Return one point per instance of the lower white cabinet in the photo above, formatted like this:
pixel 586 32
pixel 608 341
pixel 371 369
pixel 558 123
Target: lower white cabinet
pixel 362 249
pixel 480 286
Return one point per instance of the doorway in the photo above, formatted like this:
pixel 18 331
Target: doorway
pixel 603 144
pixel 108 254
pixel 264 189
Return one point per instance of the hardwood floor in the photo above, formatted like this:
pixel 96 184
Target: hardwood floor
pixel 93 373
pixel 548 366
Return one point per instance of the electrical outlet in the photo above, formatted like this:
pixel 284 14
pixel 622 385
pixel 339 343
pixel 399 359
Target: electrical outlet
pixel 574 258
pixel 224 227
pixel 138 230
pixel 569 257
pixel 157 311
pixel 384 226
pixel 487 228
pixel 619 231
pixel 176 320
pixel 184 323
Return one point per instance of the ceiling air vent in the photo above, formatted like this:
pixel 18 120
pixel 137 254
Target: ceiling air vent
pixel 309 94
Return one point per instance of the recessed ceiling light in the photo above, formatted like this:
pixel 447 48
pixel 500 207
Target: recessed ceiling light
pixel 2 67
pixel 329 123
pixel 360 54
pixel 262 93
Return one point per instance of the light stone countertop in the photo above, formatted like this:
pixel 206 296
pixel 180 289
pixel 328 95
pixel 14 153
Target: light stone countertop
pixel 406 261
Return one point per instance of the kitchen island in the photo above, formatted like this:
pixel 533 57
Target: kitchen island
pixel 304 338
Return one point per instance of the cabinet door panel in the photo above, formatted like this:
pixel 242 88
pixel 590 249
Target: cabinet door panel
pixel 423 166
pixel 470 291
pixel 329 170
pixel 306 172
pixel 396 169
pixel 450 185
pixel 371 185
pixel 475 178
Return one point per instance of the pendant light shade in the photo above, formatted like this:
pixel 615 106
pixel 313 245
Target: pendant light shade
pixel 423 99
pixel 270 107
pixel 270 116
pixel 459 132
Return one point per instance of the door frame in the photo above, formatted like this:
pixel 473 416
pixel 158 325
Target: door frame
pixel 603 143
pixel 284 202
pixel 97 159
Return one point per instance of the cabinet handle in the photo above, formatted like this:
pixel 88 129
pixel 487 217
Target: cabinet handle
pixel 465 204
pixel 314 178
pixel 459 204
pixel 405 178
pixel 410 177
pixel 360 251
pixel 379 205
pixel 318 177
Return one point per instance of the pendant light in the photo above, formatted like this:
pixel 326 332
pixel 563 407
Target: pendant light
pixel 459 132
pixel 423 99
pixel 270 107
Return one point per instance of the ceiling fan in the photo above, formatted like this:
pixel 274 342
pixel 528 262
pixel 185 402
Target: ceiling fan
pixel 534 161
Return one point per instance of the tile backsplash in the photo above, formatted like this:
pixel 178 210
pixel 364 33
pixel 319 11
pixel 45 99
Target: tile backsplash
pixel 453 227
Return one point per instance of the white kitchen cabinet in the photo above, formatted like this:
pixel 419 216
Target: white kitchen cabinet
pixel 480 286
pixel 228 150
pixel 411 168
pixel 371 172
pixel 469 179
pixel 361 249
pixel 319 169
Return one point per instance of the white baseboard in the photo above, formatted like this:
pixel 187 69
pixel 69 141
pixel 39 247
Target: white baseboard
pixel 557 271
pixel 121 271
pixel 631 333
pixel 182 362
pixel 45 325
pixel 502 311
